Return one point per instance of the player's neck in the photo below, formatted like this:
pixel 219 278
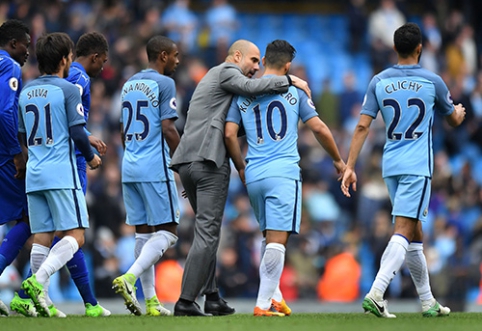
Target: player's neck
pixel 276 72
pixel 156 68
pixel 408 61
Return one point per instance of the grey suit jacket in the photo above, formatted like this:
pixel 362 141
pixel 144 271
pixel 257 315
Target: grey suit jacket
pixel 203 137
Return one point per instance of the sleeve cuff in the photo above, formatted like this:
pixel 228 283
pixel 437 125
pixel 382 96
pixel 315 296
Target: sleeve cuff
pixel 290 83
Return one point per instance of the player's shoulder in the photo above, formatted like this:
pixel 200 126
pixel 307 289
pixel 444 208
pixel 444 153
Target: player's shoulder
pixel 9 65
pixel 66 86
pixel 77 75
pixel 431 76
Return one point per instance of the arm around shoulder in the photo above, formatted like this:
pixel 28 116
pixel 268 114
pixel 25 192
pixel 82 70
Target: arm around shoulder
pixel 232 79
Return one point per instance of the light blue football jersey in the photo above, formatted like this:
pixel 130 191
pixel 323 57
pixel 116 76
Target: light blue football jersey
pixel 48 107
pixel 407 97
pixel 148 98
pixel 271 125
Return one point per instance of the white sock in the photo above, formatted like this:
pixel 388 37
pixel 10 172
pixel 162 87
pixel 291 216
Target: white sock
pixel 270 270
pixel 392 260
pixel 151 252
pixel 417 264
pixel 37 256
pixel 147 277
pixel 278 296
pixel 59 255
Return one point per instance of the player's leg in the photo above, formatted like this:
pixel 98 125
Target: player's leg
pixel 13 202
pixel 406 197
pixel 42 227
pixel 277 205
pixel 69 215
pixel 136 216
pixel 164 237
pixel 417 265
pixel 78 267
pixel 277 302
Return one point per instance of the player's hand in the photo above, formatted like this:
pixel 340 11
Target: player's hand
pixel 340 167
pixel 98 144
pixel 20 165
pixel 95 162
pixel 301 84
pixel 349 178
pixel 242 176
pixel 460 109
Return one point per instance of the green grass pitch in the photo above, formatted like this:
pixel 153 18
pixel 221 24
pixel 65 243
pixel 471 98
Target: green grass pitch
pixel 246 322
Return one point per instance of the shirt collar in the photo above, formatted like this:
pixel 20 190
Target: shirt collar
pixel 78 66
pixel 407 66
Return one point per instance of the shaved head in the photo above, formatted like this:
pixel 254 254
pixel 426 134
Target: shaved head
pixel 240 45
pixel 245 55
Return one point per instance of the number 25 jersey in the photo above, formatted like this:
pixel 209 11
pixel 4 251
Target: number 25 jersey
pixel 148 98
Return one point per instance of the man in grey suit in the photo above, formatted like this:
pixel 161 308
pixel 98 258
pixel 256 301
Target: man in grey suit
pixel 203 165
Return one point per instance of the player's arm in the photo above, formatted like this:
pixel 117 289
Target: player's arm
pixel 20 160
pixel 76 122
pixel 232 79
pixel 325 138
pixel 83 84
pixel 123 137
pixel 81 140
pixel 9 85
pixel 359 136
pixel 97 143
pixel 457 116
pixel 170 134
pixel 233 148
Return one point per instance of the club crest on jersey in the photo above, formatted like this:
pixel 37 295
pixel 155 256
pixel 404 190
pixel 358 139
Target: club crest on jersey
pixel 172 103
pixel 80 109
pixel 425 212
pixel 13 83
pixel 311 104
pixel 449 98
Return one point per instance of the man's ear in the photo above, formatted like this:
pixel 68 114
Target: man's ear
pixel 237 56
pixel 93 57
pixel 263 61
pixel 163 56
pixel 287 67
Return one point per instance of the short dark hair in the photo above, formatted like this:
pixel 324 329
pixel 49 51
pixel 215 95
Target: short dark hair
pixel 91 43
pixel 51 49
pixel 158 44
pixel 406 38
pixel 12 29
pixel 278 53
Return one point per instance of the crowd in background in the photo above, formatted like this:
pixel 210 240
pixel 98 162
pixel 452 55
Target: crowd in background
pixel 339 247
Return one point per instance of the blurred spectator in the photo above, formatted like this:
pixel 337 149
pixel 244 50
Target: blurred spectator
pixel 341 280
pixel 357 22
pixel 232 279
pixel 168 277
pixel 382 23
pixel 221 23
pixel 181 24
pixel 327 105
pixel 349 97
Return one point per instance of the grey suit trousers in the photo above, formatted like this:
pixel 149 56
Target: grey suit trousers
pixel 206 187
